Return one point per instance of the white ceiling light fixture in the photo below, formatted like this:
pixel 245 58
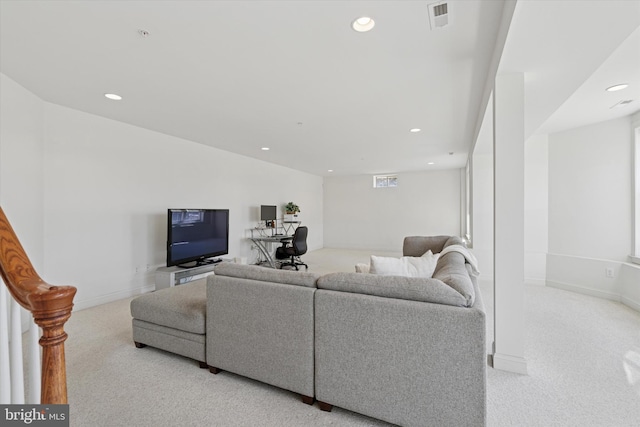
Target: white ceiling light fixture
pixel 617 87
pixel 363 24
pixel 330 170
pixel 113 96
pixel 265 148
pixel 415 130
pixel 431 163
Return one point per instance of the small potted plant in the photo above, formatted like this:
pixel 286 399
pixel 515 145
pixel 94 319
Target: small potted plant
pixel 291 212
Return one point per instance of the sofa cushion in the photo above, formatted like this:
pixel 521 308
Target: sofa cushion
pixel 418 245
pixel 408 288
pixel 407 266
pixel 254 272
pixel 181 307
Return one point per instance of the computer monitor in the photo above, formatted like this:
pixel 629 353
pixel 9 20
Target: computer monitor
pixel 268 213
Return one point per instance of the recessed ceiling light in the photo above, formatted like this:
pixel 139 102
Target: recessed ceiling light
pixel 113 96
pixel 431 163
pixel 617 87
pixel 415 130
pixel 330 170
pixel 363 24
pixel 265 148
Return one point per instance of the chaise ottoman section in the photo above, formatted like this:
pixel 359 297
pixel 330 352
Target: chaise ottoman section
pixel 173 320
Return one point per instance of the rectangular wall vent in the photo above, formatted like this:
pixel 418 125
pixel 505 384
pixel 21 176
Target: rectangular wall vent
pixel 439 15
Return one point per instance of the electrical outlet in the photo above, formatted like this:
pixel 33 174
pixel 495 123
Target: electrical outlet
pixel 142 269
pixel 608 272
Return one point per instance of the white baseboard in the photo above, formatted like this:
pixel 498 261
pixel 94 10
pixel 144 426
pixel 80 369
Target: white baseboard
pixel 583 290
pixel 103 299
pixel 595 293
pixel 630 303
pixel 504 362
pixel 527 281
pixel 535 282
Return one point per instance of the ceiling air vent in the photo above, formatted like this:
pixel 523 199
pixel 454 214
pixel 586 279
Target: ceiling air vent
pixel 439 15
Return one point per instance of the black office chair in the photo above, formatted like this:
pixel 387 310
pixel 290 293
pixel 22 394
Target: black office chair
pixel 298 247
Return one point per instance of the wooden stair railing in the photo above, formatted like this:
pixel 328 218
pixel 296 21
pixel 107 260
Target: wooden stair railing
pixel 50 306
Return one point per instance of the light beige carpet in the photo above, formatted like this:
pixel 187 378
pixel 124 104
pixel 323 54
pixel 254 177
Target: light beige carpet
pixel 583 355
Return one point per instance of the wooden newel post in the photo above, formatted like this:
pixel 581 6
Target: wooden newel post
pixel 51 309
pixel 50 305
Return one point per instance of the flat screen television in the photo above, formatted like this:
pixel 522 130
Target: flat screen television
pixel 196 235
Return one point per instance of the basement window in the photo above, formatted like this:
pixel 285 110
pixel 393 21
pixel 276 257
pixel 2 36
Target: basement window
pixel 385 181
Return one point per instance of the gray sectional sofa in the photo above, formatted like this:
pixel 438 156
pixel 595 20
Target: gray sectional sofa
pixel 407 350
pixel 260 325
pixel 173 320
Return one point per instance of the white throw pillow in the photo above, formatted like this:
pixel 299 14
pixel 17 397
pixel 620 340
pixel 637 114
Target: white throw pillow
pixel 427 264
pixel 408 266
pixel 362 267
pixel 386 266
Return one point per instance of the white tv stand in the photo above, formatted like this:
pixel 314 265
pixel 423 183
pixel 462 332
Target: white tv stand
pixel 167 277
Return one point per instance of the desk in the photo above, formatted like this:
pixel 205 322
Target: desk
pixel 263 244
pixel 290 227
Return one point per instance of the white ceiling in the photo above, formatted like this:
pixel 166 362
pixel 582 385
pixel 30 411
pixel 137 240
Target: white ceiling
pixel 293 76
pixel 570 52
pixel 591 103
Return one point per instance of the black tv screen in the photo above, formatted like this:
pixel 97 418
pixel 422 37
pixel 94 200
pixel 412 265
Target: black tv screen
pixel 196 234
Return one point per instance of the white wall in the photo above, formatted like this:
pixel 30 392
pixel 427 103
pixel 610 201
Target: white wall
pixel 536 206
pixel 590 221
pixel 88 196
pixel 358 216
pixel 21 182
pixel 108 186
pixel 589 191
pixel 483 212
